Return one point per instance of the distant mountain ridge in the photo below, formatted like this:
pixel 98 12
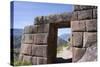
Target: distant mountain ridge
pixel 61 41
pixel 65 36
pixel 17 34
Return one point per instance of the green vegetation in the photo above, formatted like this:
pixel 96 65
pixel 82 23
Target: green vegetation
pixel 20 63
pixel 17 62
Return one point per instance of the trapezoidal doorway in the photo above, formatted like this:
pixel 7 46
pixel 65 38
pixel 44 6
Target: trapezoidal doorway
pixel 53 48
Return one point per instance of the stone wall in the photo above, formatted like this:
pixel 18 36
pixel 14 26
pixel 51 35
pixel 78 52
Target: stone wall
pixel 34 44
pixel 84 33
pixel 39 41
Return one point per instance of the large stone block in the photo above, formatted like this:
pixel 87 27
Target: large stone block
pixel 28 38
pixel 95 13
pixel 41 38
pixel 41 60
pixel 20 57
pixel 26 49
pixel 77 53
pixel 27 59
pixel 90 54
pixel 53 18
pixel 39 50
pixel 78 25
pixel 42 28
pixel 29 29
pixel 91 25
pixel 77 39
pixel 76 7
pixel 85 14
pixel 86 7
pixel 74 16
pixel 89 39
pixel 83 7
pixel 34 60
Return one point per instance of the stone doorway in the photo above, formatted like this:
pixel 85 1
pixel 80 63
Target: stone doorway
pixel 52 42
pixel 64 51
pixel 42 47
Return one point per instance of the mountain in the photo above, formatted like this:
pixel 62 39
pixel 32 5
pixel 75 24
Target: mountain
pixel 61 41
pixel 65 36
pixel 17 33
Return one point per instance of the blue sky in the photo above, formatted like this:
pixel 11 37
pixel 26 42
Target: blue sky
pixel 25 12
pixel 62 31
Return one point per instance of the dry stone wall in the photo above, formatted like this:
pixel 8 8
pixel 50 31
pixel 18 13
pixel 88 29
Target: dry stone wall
pixel 39 41
pixel 84 33
pixel 34 44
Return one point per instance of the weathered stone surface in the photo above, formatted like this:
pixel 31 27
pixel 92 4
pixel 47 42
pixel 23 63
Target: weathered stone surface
pixel 52 41
pixel 83 7
pixel 34 60
pixel 78 25
pixel 77 39
pixel 39 50
pixel 39 20
pixel 41 60
pixel 41 38
pixel 85 14
pixel 89 39
pixel 77 53
pixel 53 18
pixel 20 57
pixel 42 28
pixel 74 16
pixel 91 25
pixel 26 49
pixel 27 59
pixel 76 7
pixel 28 29
pixel 28 38
pixel 90 54
pixel 95 13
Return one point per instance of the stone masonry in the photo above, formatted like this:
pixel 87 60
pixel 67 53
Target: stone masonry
pixel 39 41
pixel 84 33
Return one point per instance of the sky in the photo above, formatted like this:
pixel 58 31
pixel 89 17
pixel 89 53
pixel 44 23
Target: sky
pixel 25 12
pixel 62 31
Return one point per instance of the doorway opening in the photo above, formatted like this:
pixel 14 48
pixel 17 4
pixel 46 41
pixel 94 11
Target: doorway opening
pixel 64 51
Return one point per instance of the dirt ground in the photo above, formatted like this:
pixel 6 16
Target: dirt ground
pixel 65 53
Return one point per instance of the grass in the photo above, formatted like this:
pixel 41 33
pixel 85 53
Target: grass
pixel 21 63
pixel 17 62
